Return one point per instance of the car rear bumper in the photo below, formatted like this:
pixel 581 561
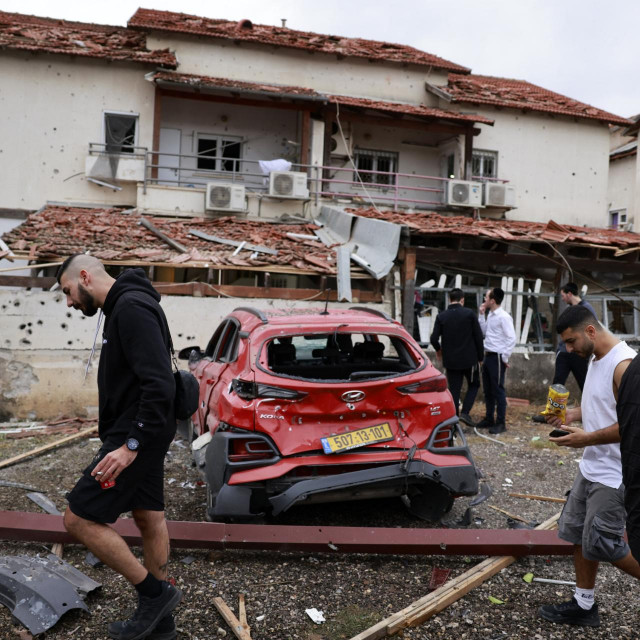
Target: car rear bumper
pixel 452 469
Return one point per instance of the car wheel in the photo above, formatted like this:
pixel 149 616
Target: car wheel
pixel 431 503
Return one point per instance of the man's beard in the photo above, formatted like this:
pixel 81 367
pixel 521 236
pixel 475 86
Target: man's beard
pixel 588 350
pixel 87 304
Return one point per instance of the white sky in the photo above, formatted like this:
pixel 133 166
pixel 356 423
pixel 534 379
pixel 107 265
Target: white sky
pixel 585 49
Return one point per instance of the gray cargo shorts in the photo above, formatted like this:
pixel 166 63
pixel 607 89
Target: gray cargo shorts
pixel 594 517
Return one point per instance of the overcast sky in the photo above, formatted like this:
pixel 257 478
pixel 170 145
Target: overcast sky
pixel 586 49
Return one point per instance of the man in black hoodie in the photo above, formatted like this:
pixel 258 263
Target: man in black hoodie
pixel 461 351
pixel 136 425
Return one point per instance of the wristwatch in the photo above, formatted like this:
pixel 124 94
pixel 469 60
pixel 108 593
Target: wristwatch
pixel 133 444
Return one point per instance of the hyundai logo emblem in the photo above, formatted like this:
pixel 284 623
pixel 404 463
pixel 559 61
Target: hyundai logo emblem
pixel 353 396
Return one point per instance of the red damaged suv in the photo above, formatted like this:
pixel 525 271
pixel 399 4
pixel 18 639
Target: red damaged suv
pixel 323 406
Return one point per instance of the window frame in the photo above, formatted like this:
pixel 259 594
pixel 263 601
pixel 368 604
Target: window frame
pixel 481 155
pixel 130 114
pixel 219 159
pixel 375 154
pixel 619 213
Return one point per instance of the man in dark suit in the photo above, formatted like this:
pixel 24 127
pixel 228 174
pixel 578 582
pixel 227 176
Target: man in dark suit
pixel 461 351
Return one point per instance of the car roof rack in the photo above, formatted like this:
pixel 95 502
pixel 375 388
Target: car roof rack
pixel 256 312
pixel 375 312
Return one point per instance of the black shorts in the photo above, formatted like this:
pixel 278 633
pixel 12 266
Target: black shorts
pixel 139 486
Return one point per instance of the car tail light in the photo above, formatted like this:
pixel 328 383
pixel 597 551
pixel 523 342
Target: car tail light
pixel 250 391
pixel 437 383
pixel 243 450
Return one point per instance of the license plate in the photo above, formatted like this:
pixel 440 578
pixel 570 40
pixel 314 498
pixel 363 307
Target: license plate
pixel 359 438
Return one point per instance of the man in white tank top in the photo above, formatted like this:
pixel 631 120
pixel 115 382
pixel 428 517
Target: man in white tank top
pixel 593 518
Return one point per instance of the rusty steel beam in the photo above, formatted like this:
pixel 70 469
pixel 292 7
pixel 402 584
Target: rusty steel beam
pixel 41 527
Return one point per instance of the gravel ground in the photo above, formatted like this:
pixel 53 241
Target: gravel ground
pixel 353 591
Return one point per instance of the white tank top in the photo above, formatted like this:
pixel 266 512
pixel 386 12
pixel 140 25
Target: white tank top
pixel 601 463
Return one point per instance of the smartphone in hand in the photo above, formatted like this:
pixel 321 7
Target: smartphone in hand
pixel 558 433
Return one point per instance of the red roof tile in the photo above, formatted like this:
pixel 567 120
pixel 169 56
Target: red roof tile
pixel 304 93
pixel 428 224
pixel 109 234
pixel 519 94
pixel 151 19
pixel 47 35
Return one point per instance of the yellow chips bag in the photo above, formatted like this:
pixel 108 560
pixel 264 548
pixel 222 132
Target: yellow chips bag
pixel 557 402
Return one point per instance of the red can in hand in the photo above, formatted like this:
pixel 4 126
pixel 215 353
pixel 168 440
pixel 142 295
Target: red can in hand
pixel 107 484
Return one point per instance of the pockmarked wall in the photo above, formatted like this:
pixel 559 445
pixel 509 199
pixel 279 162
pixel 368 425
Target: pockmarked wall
pixel 52 108
pixel 558 165
pixel 325 73
pixel 45 347
pixel 621 194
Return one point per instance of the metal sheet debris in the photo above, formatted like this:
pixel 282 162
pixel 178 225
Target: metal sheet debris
pixel 38 591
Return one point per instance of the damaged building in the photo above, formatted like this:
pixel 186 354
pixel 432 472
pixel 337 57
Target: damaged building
pixel 251 164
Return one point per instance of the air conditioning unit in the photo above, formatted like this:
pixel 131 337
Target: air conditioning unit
pixel 499 195
pixel 288 184
pixel 463 193
pixel 225 197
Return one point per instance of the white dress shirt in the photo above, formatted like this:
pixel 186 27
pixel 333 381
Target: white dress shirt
pixel 499 334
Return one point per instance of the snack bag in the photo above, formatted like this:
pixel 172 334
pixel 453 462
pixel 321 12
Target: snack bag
pixel 557 402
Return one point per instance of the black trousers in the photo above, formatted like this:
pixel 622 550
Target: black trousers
pixel 455 378
pixel 495 396
pixel 567 363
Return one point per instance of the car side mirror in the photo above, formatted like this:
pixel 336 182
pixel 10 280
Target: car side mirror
pixel 193 354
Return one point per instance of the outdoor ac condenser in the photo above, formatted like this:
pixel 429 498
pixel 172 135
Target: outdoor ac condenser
pixel 288 184
pixel 225 197
pixel 499 195
pixel 463 193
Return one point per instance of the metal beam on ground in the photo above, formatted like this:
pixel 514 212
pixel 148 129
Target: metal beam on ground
pixel 40 527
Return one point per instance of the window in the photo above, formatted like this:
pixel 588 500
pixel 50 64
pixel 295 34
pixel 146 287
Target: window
pixel 120 132
pixel 216 153
pixel 484 164
pixel 618 219
pixel 367 160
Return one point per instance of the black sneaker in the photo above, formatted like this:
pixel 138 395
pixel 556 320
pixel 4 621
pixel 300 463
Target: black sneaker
pixel 484 424
pixel 146 618
pixel 467 419
pixel 499 427
pixel 539 418
pixel 164 630
pixel 570 613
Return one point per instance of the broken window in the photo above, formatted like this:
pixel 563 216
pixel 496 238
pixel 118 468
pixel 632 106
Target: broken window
pixel 368 162
pixel 217 153
pixel 484 164
pixel 620 316
pixel 618 220
pixel 120 132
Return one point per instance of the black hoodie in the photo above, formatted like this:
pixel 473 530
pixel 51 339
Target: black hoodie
pixel 135 381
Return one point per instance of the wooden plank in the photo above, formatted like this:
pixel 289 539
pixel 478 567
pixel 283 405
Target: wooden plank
pixel 230 619
pixel 513 516
pixel 174 244
pixel 272 103
pixel 409 285
pixel 531 496
pixel 437 600
pixel 47 447
pixel 33 282
pixel 30 266
pixel 242 614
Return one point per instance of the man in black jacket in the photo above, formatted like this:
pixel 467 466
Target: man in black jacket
pixel 136 426
pixel 461 352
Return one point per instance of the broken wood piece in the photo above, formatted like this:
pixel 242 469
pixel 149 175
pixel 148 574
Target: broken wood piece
pixel 242 613
pixel 233 622
pixel 47 504
pixel 58 549
pixel 507 513
pixel 438 600
pixel 174 244
pixel 531 496
pixel 30 266
pixel 240 244
pixel 47 447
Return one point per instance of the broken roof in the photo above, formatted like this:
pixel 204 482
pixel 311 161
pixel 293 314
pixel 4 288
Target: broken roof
pixel 518 94
pixel 109 234
pixel 48 35
pixel 624 151
pixel 303 93
pixel 431 224
pixel 245 30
